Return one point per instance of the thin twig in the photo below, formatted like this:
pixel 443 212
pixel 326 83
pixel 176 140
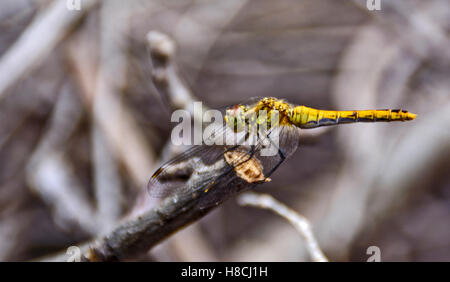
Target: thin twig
pixel 110 78
pixel 265 201
pixel 165 76
pixel 164 71
pixel 115 118
pixel 400 159
pixel 37 41
pixel 49 173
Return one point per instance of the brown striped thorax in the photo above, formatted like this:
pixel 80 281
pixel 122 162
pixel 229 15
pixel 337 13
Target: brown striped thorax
pixel 272 111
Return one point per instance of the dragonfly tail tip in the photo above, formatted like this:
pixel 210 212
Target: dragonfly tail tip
pixel 411 116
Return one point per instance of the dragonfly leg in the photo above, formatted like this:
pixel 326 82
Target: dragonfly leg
pixel 282 158
pixel 232 148
pixel 280 153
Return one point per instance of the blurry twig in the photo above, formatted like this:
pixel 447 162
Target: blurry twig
pixel 169 84
pixel 396 163
pixel 419 29
pixel 110 78
pixel 164 74
pixel 36 42
pixel 162 51
pixel 49 173
pixel 299 222
pixel 112 116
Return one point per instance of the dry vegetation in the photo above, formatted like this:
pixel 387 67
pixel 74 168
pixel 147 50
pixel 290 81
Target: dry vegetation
pixel 84 124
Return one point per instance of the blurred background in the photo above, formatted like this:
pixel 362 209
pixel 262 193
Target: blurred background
pixel 82 127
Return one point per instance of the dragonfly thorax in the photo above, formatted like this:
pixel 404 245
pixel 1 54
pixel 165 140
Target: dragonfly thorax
pixel 265 114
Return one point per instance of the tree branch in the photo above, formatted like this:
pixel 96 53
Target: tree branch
pixel 138 234
pixel 265 201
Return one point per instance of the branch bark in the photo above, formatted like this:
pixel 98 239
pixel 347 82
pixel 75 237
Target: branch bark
pixel 138 234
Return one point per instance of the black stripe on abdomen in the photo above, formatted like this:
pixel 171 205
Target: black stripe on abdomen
pixel 346 120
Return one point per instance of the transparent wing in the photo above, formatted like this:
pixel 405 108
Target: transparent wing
pixel 251 166
pixel 276 145
pixel 252 157
pixel 225 161
pixel 174 175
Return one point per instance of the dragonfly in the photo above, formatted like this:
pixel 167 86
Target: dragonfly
pixel 264 133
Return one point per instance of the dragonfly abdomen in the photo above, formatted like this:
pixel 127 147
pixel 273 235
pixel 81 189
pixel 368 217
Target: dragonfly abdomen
pixel 305 117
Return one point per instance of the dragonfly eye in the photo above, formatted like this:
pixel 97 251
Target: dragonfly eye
pixel 235 117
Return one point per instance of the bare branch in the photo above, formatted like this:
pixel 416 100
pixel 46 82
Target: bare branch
pixel 138 234
pixel 113 117
pixel 49 173
pixel 265 201
pixel 162 51
pixel 110 78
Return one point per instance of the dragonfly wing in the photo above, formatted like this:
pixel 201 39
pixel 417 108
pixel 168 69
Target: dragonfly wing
pixel 249 162
pixel 178 174
pixel 276 145
pixel 173 175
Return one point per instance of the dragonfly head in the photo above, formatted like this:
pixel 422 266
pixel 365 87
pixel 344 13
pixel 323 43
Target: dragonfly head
pixel 235 117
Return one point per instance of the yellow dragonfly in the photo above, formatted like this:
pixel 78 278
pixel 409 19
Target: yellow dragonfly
pixel 264 133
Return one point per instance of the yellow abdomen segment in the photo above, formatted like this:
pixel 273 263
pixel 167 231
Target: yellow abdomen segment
pixel 305 117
